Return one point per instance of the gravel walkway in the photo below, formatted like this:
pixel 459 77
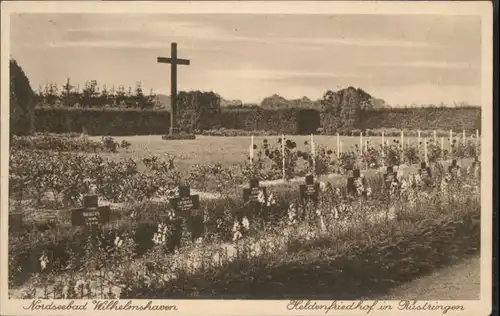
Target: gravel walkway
pixel 457 282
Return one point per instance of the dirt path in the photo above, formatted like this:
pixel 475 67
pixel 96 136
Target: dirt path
pixel 457 282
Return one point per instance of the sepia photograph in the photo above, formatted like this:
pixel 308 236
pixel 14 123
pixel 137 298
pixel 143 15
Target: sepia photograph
pixel 324 159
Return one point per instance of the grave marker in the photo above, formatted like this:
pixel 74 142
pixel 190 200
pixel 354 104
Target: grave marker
pixel 390 176
pixel 91 214
pixel 15 222
pixel 309 190
pixel 351 182
pixel 425 173
pixel 251 194
pixel 454 168
pixel 186 206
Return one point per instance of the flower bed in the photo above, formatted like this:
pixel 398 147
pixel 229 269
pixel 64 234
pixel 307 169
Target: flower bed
pixel 345 265
pixel 69 247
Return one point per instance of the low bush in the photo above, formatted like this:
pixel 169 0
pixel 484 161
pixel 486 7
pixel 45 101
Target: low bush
pixel 66 143
pixel 237 132
pixel 180 136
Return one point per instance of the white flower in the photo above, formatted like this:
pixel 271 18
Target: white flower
pixel 237 235
pixel 118 241
pixel 246 223
pixel 236 226
pixel 270 200
pixel 322 186
pixel 292 214
pixel 335 212
pixel 372 165
pixel 79 285
pixel 219 223
pixel 404 185
pixel 368 191
pixel 43 261
pixel 337 191
pixel 261 198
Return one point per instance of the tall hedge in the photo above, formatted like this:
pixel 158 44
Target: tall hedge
pixel 197 111
pixel 102 121
pixel 22 101
pixel 288 121
pixel 463 118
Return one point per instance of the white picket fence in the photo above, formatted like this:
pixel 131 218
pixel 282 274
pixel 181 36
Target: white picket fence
pixel 363 146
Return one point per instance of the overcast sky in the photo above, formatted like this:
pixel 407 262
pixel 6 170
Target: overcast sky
pixel 400 58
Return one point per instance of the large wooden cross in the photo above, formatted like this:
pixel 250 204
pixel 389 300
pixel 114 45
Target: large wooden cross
pixel 173 61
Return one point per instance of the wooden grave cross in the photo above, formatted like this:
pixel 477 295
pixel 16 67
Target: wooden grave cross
pixel 390 176
pixel 454 168
pixel 309 190
pixel 351 188
pixel 15 222
pixel 251 194
pixel 186 205
pixel 91 214
pixel 425 171
pixel 173 61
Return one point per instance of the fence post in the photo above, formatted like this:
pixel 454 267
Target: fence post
pixel 435 138
pixel 383 150
pixel 251 150
pixel 442 148
pixel 425 150
pixel 418 138
pixel 451 142
pixel 402 146
pixel 361 143
pixel 338 146
pixel 283 154
pixel 313 154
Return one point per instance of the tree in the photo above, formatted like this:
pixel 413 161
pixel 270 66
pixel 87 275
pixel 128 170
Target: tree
pixel 104 97
pixel 140 99
pixel 22 101
pixel 68 95
pixel 90 94
pixel 50 94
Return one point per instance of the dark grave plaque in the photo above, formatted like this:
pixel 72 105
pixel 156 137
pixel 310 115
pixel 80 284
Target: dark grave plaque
pixel 91 214
pixel 309 190
pixel 15 222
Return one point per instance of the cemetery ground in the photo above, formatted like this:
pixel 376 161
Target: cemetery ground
pixel 394 241
pixel 230 151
